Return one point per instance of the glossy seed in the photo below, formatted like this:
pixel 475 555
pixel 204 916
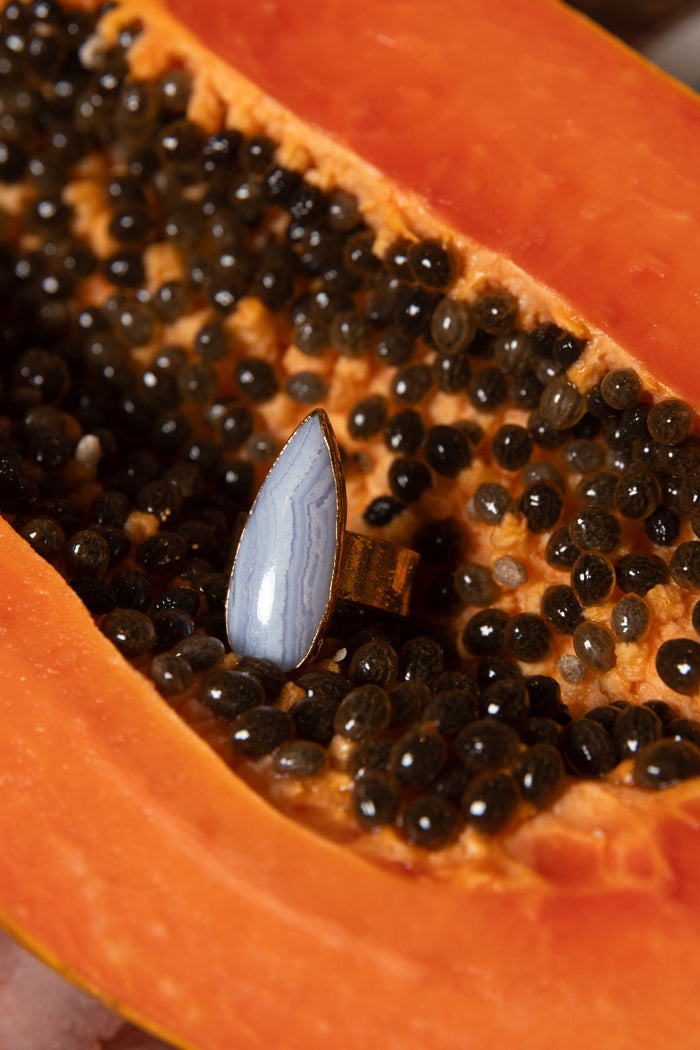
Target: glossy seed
pixel 562 609
pixel 407 700
pixel 595 647
pixel 541 504
pixel 45 536
pixel 583 456
pixel 421 659
pixel 640 573
pixel 383 510
pixel 544 693
pixel 594 529
pixel 495 311
pixel 404 432
pixel 369 756
pixel 683 729
pixel 298 758
pixel 495 668
pixel 492 502
pixel 367 417
pixel 474 584
pixel 588 748
pixel 376 799
pixel 451 782
pixel 561 551
pixel 537 730
pixel 259 730
pixel 364 712
pixel 663 527
pixel 450 710
pixel 313 720
pixel 306 388
pixel 689 493
pixel 484 632
pixel 598 490
pixel 452 326
pixel 592 579
pixel 678 664
pixel 527 637
pixel 538 773
pixel 671 421
pixel 682 459
pixel 133 589
pixel 124 268
pixel 129 630
pixel 228 693
pixel 515 353
pixel 311 337
pixel 486 744
pixel 630 619
pixel 431 264
pixel 487 390
pixel 452 373
pixel 665 712
pixel 637 494
pixel 411 383
pixel 161 499
pixel 490 801
pixel 511 446
pixel 418 756
pixel 685 565
pixel 173 623
pixel 394 346
pixel 505 699
pixel 634 728
pixel 202 652
pixel 256 379
pixel 429 821
pixel 161 553
pixel 621 388
pixel 171 674
pixel 409 478
pixel 375 661
pixel 605 715
pixel 666 762
pixel 349 333
pixel 447 450
pixel 96 595
pixel 441 596
pixel 562 404
pixel 525 391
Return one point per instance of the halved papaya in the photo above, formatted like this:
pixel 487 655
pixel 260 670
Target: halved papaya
pixel 226 908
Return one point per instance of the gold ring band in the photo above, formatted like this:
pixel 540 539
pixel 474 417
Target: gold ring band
pixel 376 572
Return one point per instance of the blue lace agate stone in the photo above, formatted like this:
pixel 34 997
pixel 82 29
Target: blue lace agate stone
pixel 283 573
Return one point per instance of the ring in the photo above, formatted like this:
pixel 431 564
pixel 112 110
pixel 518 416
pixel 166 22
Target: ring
pixel 295 559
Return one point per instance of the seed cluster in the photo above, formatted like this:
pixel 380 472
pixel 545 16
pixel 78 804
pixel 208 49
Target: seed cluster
pixel 128 454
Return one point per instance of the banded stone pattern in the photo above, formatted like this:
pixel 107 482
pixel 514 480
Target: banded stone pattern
pixel 283 574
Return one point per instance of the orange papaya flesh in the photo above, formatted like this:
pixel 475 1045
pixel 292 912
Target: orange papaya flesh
pixel 201 884
pixel 543 129
pixel 134 857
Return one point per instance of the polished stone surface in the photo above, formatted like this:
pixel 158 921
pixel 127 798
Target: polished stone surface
pixel 282 577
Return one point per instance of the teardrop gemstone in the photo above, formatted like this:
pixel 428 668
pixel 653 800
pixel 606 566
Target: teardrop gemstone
pixel 282 579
